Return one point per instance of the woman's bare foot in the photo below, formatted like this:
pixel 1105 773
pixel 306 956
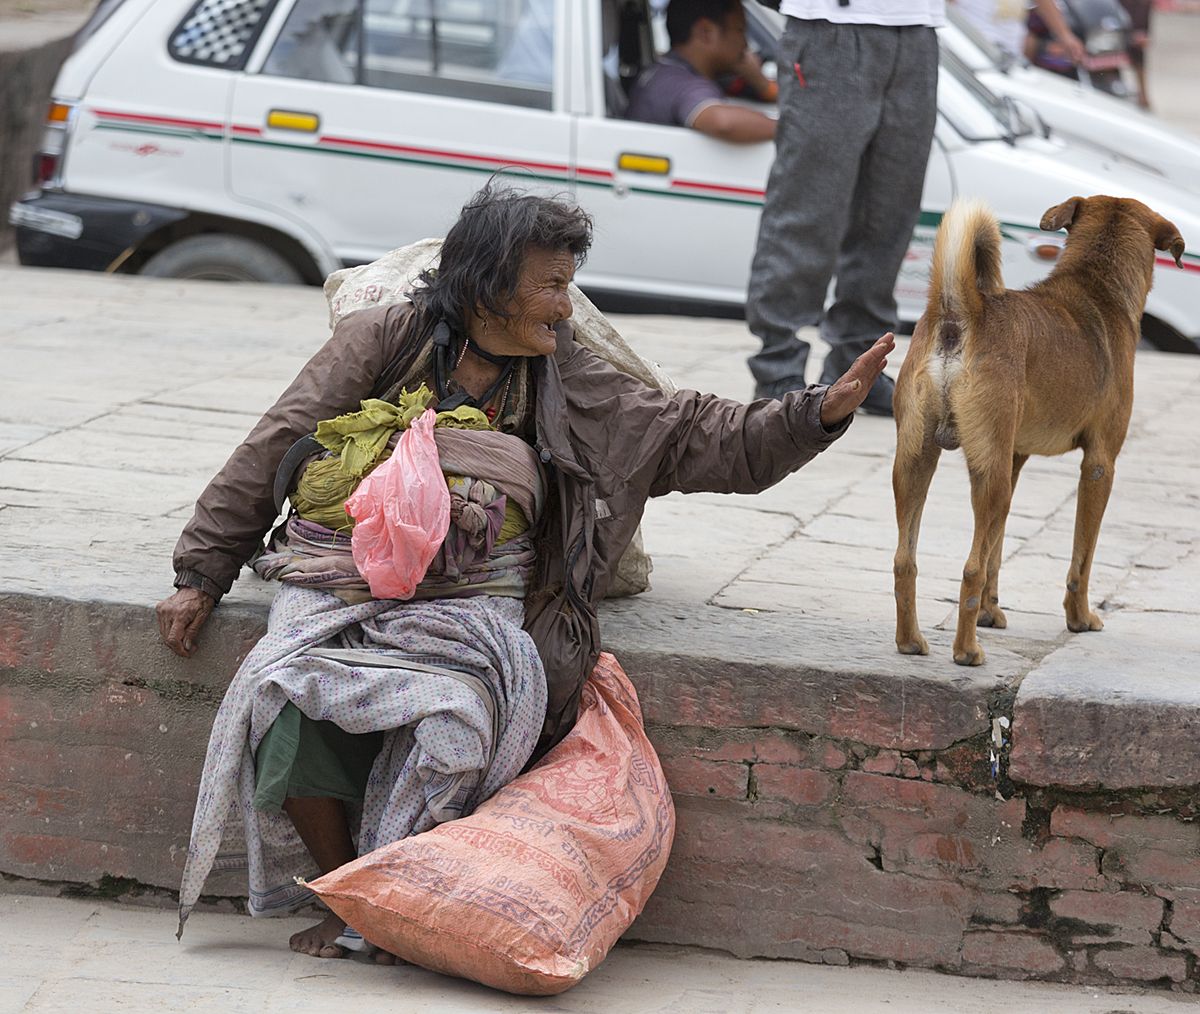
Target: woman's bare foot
pixel 383 957
pixel 319 940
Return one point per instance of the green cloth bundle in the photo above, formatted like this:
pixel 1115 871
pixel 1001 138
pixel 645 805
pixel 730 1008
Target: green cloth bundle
pixel 359 442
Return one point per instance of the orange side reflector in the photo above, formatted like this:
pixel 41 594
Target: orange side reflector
pixel 58 113
pixel 284 120
pixel 644 163
pixel 1048 251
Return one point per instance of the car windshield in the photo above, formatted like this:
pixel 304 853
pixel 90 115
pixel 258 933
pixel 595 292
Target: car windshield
pixel 975 48
pixel 971 108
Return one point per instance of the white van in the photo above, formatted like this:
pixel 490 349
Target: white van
pixel 279 140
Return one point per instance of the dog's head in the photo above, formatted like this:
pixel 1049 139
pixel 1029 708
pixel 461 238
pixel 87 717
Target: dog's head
pixel 1162 233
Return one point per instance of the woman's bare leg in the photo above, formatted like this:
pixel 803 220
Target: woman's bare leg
pixel 322 826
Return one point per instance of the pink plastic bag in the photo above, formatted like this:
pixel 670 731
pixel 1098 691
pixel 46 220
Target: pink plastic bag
pixel 401 513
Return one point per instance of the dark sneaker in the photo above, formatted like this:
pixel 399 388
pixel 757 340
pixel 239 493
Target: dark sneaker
pixel 778 388
pixel 879 399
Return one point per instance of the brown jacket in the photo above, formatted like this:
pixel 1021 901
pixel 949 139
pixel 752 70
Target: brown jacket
pixel 610 441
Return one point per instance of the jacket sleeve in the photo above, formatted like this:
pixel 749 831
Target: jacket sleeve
pixel 237 507
pixel 690 442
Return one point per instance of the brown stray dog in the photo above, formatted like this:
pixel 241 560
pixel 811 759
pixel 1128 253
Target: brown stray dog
pixel 1005 374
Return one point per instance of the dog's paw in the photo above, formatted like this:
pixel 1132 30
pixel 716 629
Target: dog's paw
pixel 916 646
pixel 993 616
pixel 969 656
pixel 1093 622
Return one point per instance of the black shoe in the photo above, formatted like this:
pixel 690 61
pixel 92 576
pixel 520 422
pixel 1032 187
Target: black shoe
pixel 879 399
pixel 778 388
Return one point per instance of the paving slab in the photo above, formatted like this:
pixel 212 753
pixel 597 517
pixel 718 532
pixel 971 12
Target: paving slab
pixel 105 958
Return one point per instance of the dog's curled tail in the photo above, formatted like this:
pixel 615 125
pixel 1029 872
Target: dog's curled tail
pixel 966 266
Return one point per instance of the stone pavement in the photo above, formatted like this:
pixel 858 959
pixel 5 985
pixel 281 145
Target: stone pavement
pixel 68 955
pixel 836 801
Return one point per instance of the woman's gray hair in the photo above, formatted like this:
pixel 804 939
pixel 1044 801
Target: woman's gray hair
pixel 484 251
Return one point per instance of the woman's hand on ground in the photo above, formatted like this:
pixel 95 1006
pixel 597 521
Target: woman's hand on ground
pixel 180 618
pixel 847 392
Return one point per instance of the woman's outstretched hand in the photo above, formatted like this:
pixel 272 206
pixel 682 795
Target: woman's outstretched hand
pixel 180 618
pixel 847 392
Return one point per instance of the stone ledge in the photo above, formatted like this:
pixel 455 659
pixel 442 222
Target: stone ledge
pixel 836 801
pixel 1123 717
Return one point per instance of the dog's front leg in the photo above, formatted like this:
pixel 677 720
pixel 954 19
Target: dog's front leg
pixel 917 455
pixel 911 475
pixel 1095 484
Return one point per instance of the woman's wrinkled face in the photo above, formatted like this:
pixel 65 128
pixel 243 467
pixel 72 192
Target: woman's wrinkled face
pixel 540 302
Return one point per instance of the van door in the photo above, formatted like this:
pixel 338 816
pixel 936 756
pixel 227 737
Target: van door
pixel 676 211
pixel 373 121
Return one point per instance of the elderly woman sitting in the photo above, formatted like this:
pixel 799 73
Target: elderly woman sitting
pixel 357 721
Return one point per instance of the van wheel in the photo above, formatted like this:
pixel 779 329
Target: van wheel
pixel 1165 338
pixel 222 257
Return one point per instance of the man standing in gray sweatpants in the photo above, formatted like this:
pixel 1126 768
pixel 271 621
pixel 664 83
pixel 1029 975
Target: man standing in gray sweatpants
pixel 857 106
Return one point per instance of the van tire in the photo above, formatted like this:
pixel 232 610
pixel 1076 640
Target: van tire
pixel 222 257
pixel 1165 338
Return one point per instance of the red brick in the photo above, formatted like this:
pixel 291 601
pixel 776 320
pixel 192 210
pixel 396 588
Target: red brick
pixel 883 763
pixel 998 907
pixel 1101 909
pixel 63 857
pixel 1185 922
pixel 942 849
pixel 1151 866
pixel 1058 864
pixel 735 840
pixel 792 784
pixel 746 746
pixel 1143 963
pixel 15 642
pixel 1126 832
pixel 1022 952
pixel 832 757
pixel 689 776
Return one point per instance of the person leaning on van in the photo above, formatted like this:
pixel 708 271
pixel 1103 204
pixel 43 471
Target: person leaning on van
pixel 708 41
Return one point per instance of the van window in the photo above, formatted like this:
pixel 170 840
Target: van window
pixel 219 33
pixel 319 42
pixel 487 50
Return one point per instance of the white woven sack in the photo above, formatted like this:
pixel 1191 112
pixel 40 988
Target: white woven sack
pixel 390 279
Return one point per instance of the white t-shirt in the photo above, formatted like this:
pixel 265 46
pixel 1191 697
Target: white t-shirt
pixel 931 13
pixel 1002 21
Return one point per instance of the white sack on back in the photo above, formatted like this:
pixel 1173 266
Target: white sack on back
pixel 390 279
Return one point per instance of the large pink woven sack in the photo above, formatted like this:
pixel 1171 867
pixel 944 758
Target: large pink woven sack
pixel 401 514
pixel 529 892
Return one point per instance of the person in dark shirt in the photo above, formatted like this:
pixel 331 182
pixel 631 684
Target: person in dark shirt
pixel 708 40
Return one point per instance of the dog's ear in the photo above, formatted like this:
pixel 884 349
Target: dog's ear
pixel 1062 216
pixel 1166 237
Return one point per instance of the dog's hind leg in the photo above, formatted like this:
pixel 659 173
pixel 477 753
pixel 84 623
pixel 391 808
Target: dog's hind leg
pixel 990 613
pixel 916 460
pixel 1095 484
pixel 991 493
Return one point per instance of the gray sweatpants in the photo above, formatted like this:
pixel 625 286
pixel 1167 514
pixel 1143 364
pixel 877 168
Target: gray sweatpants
pixel 855 124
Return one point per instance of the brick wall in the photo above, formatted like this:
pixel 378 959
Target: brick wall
pixel 812 824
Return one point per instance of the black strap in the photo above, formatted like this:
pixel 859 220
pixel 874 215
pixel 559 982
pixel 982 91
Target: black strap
pixel 448 402
pixel 497 360
pixel 300 450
